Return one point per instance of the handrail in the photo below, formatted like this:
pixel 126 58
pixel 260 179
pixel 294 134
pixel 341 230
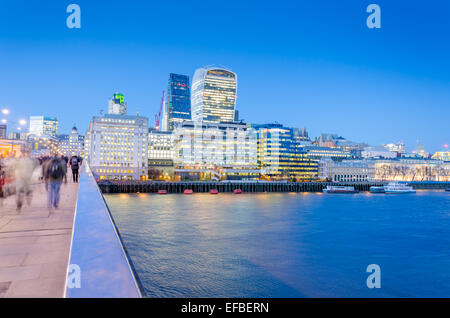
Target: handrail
pixel 97 250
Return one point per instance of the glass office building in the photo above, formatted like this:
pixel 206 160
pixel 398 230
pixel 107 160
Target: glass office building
pixel 213 95
pixel 280 155
pixel 208 151
pixel 43 125
pixel 178 100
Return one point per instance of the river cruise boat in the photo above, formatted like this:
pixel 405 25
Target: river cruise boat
pixel 397 187
pixel 377 189
pixel 340 189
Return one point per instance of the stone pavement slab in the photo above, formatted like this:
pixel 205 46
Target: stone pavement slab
pixel 35 244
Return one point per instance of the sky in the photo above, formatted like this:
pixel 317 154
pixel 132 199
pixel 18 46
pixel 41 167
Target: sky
pixel 312 64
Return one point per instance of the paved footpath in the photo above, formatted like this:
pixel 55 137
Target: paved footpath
pixel 35 244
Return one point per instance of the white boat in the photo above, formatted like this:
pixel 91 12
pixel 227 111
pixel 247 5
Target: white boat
pixel 376 189
pixel 340 189
pixel 397 187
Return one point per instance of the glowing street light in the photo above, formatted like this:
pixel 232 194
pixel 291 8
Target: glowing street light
pixel 22 122
pixel 5 111
pixel 4 121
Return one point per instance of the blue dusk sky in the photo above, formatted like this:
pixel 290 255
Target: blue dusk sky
pixel 312 64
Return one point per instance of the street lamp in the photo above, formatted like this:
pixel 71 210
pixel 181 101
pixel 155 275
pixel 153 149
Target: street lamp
pixel 5 111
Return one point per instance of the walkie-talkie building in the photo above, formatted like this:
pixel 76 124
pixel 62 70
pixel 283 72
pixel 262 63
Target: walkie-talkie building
pixel 178 100
pixel 213 95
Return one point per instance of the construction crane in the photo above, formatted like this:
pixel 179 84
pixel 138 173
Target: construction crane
pixel 158 116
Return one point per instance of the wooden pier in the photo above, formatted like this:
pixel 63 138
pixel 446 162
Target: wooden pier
pixel 179 187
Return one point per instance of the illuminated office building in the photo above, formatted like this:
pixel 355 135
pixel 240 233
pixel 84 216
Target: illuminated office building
pixel 43 126
pixel 215 151
pixel 280 155
pixel 442 155
pixel 178 100
pixel 160 155
pixel 116 147
pixel 42 145
pixel 317 153
pixel 213 95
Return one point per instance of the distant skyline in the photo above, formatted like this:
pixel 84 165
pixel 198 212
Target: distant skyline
pixel 299 63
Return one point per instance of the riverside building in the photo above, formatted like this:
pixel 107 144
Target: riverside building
pixel 116 147
pixel 178 100
pixel 412 169
pixel 213 95
pixel 71 144
pixel 280 155
pixel 347 170
pixel 160 155
pixel 441 155
pixel 215 151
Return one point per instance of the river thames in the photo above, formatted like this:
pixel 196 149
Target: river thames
pixel 287 245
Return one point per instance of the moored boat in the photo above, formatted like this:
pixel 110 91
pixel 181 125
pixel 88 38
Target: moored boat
pixel 340 189
pixel 188 191
pixel 237 191
pixel 398 188
pixel 377 189
pixel 214 191
pixel 162 191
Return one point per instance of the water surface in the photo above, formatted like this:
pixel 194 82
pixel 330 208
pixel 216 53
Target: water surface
pixel 287 245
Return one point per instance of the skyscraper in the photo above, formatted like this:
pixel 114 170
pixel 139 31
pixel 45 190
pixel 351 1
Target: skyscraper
pixel 43 125
pixel 178 100
pixel 117 105
pixel 213 95
pixel 2 131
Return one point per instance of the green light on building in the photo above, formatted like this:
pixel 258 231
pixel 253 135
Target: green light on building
pixel 118 98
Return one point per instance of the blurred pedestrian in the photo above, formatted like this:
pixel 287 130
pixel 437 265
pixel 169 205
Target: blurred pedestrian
pixel 64 161
pixel 53 176
pixel 75 166
pixel 23 171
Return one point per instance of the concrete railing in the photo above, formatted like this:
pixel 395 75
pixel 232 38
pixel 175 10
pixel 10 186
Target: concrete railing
pixel 98 266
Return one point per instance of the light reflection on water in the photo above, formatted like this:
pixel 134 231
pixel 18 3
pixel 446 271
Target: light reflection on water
pixel 285 245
